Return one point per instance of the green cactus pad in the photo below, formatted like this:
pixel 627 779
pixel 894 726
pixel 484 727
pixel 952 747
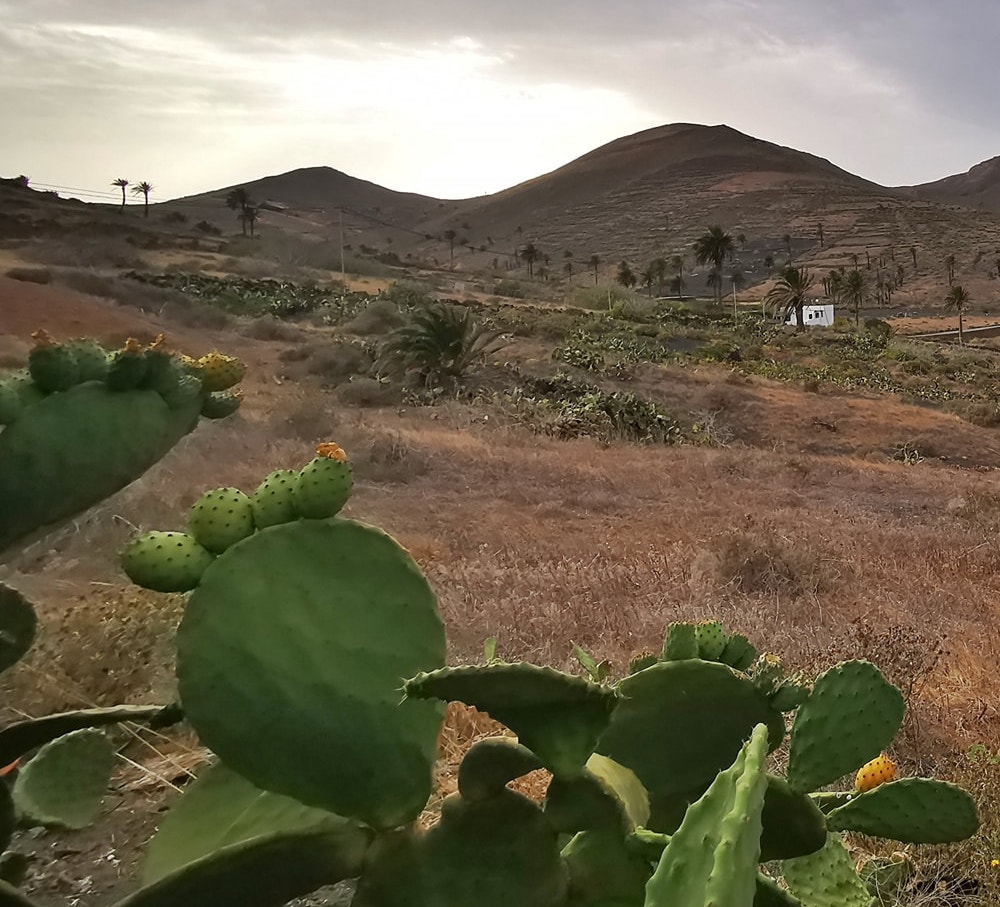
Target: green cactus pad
pixel 604 871
pixel 17 628
pixel 323 487
pixel 770 894
pixel 680 642
pixel 793 824
pixel 826 878
pixel 851 715
pixel 73 449
pixel 625 785
pixel 711 638
pixel 266 871
pixel 221 518
pixel 91 359
pixel 53 368
pixel 790 694
pixel 163 372
pixel 186 393
pixel 584 803
pixel 490 764
pixel 222 809
pixel 649 731
pixel 274 499
pixel 712 858
pixel 767 674
pixel 8 817
pixel 65 783
pixel 219 405
pixel 641 662
pixel 913 810
pixel 315 625
pixel 166 561
pixel 10 403
pixel 739 652
pixel 127 369
pixel 23 736
pixel 559 717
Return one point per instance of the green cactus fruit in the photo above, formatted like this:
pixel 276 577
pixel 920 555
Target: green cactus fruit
pixel 655 703
pixel 221 518
pixel 65 783
pixel 826 878
pixel 851 715
pixel 712 858
pixel 491 763
pixel 793 826
pixel 220 372
pixel 166 561
pixel 739 652
pixel 185 394
pixel 767 674
pixel 913 810
pixel 52 365
pixel 790 694
pixel 315 624
pixel 220 405
pixel 274 500
pixel 711 638
pixel 10 403
pixel 222 809
pixel 128 367
pixel 265 871
pixel 91 359
pixel 559 717
pixel 21 737
pixel 642 661
pixel 324 484
pixel 603 870
pixel 680 642
pixel 17 628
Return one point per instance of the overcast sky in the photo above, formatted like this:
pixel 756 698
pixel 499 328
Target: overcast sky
pixel 456 98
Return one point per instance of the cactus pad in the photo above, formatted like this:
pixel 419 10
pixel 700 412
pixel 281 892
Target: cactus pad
pixel 914 810
pixel 221 518
pixel 826 878
pixel 313 626
pixel 648 731
pixel 680 642
pixel 218 406
pixel 17 627
pixel 851 715
pixel 222 809
pixel 793 826
pixel 10 403
pixel 739 653
pixel 220 372
pixel 559 717
pixel 711 638
pixel 166 561
pixel 52 365
pixel 324 484
pixel 604 871
pixel 274 499
pixel 490 764
pixel 65 783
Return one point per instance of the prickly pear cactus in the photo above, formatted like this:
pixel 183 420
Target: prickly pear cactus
pixel 166 561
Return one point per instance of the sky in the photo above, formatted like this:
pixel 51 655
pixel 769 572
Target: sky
pixel 458 98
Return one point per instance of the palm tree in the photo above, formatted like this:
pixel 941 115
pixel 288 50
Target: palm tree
pixel 819 232
pixel 451 235
pixel 741 238
pixel 855 291
pixel 239 201
pixel 649 278
pixel 677 265
pixel 789 294
pixel 568 270
pixel 661 268
pixel 530 254
pixel 769 264
pixel 949 264
pixel 249 217
pixel 787 240
pixel 713 248
pixel 958 298
pixel 594 262
pixel 913 254
pixel 625 275
pixel 121 183
pixel 143 189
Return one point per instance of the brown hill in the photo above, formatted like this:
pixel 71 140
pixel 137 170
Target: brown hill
pixel 978 188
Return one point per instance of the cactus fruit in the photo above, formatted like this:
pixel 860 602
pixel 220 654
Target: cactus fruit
pixel 711 638
pixel 166 561
pixel 558 716
pixel 128 367
pixel 52 366
pixel 220 405
pixel 91 359
pixel 324 484
pixel 274 500
pixel 874 773
pixel 65 783
pixel 680 642
pixel 219 372
pixel 221 518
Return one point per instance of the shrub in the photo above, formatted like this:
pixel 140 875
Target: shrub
pixel 364 391
pixel 379 317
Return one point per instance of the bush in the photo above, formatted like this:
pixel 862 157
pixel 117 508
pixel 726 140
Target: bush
pixel 509 288
pixel 379 317
pixel 364 391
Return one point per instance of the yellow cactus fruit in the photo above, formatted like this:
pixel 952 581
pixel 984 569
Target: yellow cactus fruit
pixel 159 343
pixel 332 452
pixel 872 774
pixel 42 338
pixel 132 345
pixel 220 372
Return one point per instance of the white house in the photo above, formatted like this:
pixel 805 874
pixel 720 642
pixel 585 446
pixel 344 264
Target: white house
pixel 814 316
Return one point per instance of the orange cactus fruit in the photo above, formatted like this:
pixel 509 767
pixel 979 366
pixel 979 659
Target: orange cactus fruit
pixel 332 452
pixel 872 774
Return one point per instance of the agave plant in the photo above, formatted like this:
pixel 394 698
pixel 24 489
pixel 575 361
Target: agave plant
pixel 438 344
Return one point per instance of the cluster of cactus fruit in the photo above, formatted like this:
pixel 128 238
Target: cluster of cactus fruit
pixel 326 630
pixel 81 422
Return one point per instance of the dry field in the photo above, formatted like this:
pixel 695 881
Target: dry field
pixel 798 529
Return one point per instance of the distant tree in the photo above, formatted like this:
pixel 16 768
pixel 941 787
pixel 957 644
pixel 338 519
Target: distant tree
pixel 121 183
pixel 714 280
pixel 958 298
pixel 868 260
pixel 854 259
pixel 769 264
pixel 239 200
pixel 913 254
pixel 143 189
pixel 713 248
pixel 741 238
pixel 530 254
pixel 787 240
pixel 737 278
pixel 662 268
pixel 649 278
pixel 855 292
pixel 677 284
pixel 900 274
pixel 949 264
pixel 595 262
pixel 789 294
pixel 833 284
pixel 451 236
pixel 568 271
pixel 249 217
pixel 625 275
pixel 819 233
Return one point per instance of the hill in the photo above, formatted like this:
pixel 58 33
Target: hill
pixel 978 188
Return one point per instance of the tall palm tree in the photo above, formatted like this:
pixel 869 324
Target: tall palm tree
pixel 677 266
pixel 713 248
pixel 789 294
pixel 239 200
pixel 819 233
pixel 855 291
pixel 530 254
pixel 594 263
pixel 661 269
pixel 649 278
pixel 958 298
pixel 451 235
pixel 625 275
pixel 913 255
pixel 121 183
pixel 143 189
pixel 787 240
pixel 949 264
